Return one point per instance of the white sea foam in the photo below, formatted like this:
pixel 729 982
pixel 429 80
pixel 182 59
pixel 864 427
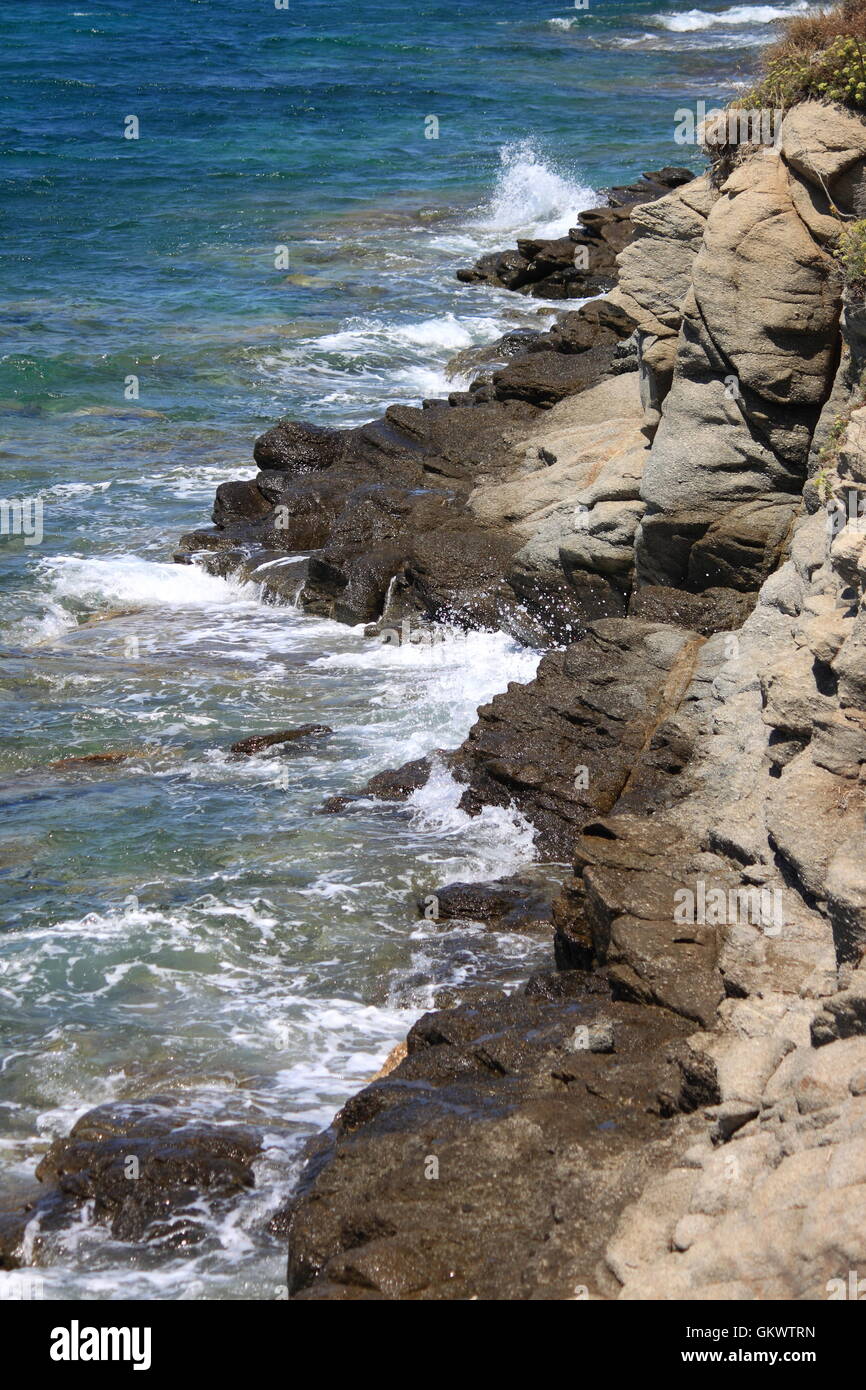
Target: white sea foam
pixel 429 690
pixel 693 21
pixel 372 361
pixel 491 845
pixel 128 580
pixel 365 333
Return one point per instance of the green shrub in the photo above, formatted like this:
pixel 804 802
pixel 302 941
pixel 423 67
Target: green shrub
pixel 835 73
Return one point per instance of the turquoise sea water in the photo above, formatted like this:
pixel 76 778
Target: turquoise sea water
pixel 183 922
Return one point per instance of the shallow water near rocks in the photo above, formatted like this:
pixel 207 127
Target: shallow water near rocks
pixel 183 921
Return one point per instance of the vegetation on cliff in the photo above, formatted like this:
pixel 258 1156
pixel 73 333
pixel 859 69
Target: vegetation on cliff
pixel 819 57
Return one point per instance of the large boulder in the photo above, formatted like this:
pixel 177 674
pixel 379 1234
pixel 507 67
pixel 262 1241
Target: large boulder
pixel 756 358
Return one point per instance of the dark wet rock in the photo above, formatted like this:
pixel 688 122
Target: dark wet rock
pixel 146 1166
pixel 453 996
pixel 562 748
pixel 118 755
pixel 302 514
pixel 206 540
pixel 370 542
pixel 280 577
pixel 714 610
pixel 458 574
pixel 476 359
pixel 394 784
pixel 582 263
pixel 619 912
pixel 296 447
pixel 248 746
pixel 493 1161
pixel 388 524
pixel 506 268
pixel 597 324
pixel 399 784
pixel 237 503
pixel 13 1225
pixel 567 746
pixel 511 904
pixel 572 983
pixel 221 563
pixel 543 378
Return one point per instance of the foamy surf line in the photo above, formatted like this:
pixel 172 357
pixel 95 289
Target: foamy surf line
pixel 128 581
pixel 357 369
pixel 693 21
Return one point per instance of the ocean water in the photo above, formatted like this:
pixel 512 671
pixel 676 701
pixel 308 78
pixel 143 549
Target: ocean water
pixel 281 238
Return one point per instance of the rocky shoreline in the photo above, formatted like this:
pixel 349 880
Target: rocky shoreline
pixel 657 491
pixel 675 1111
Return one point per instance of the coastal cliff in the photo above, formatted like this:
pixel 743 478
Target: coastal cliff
pixel 664 491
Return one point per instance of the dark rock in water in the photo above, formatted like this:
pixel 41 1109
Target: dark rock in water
pixel 597 324
pixel 475 359
pixel 280 577
pixel 296 447
pixel 220 563
pixel 506 268
pixel 388 523
pixel 100 759
pixel 543 378
pixel 247 746
pixel 582 263
pixel 146 1166
pixel 651 186
pixel 399 784
pixel 510 904
pixel 565 748
pixel 494 1161
pixel 13 1224
pixel 457 574
pixel 394 784
pixel 237 503
pixel 205 539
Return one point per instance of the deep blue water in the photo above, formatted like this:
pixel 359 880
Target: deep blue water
pixel 181 922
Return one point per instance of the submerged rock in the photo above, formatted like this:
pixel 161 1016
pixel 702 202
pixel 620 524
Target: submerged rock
pixel 247 746
pixel 111 759
pixel 148 1170
pixel 511 904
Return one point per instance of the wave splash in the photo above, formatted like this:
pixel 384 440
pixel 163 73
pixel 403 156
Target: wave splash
pixel 532 197
pixel 693 21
